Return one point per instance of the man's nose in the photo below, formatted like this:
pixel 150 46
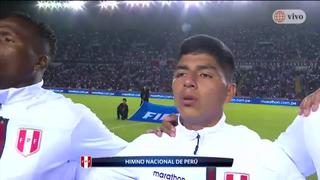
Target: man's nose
pixel 190 81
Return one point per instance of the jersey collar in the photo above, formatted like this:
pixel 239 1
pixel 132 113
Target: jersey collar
pixel 183 132
pixel 12 95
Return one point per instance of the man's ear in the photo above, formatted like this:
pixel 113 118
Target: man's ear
pixel 42 63
pixel 231 91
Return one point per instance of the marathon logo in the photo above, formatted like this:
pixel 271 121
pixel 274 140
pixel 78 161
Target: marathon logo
pixel 86 161
pixel 167 176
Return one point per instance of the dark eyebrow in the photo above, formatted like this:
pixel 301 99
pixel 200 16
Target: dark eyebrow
pixel 199 67
pixel 6 31
pixel 181 67
pixel 203 67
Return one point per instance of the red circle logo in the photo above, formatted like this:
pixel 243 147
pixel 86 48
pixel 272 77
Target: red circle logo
pixel 279 16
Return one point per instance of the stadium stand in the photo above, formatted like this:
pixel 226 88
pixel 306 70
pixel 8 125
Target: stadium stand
pixel 272 61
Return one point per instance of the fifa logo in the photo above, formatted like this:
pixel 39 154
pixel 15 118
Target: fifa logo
pixel 154 116
pixel 289 16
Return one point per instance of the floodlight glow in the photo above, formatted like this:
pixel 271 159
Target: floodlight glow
pixel 75 5
pixel 55 5
pixel 241 2
pixel 165 3
pixel 41 4
pixel 187 4
pixel 138 3
pixel 108 4
pixel 49 4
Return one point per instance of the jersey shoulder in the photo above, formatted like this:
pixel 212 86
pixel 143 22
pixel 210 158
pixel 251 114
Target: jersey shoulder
pixel 57 110
pixel 146 144
pixel 242 133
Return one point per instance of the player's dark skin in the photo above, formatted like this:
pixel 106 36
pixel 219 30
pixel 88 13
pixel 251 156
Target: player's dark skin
pixel 24 56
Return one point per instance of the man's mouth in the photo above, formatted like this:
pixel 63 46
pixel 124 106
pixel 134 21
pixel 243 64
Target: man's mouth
pixel 188 101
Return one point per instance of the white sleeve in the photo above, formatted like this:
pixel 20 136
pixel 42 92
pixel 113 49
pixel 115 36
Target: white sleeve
pixel 125 173
pixel 275 164
pixel 107 174
pixel 90 137
pixel 312 137
pixel 292 142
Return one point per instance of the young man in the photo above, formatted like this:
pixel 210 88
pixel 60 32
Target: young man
pixel 122 110
pixel 301 139
pixel 42 134
pixel 202 84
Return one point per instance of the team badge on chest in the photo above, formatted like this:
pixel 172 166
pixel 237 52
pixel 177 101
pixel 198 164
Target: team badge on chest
pixel 28 141
pixel 236 176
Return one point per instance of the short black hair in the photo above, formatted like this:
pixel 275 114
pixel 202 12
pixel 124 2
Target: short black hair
pixel 202 43
pixel 43 31
pixel 124 99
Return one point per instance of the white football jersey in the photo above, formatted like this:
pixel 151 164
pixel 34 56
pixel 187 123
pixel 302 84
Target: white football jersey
pixel 312 138
pixel 47 133
pixel 301 142
pixel 254 159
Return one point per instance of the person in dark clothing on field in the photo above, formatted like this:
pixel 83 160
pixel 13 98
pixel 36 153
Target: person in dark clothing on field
pixel 123 110
pixel 144 95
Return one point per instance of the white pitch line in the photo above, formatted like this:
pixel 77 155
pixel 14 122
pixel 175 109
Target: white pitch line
pixel 128 125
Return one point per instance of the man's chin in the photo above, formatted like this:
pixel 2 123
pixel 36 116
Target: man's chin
pixel 189 116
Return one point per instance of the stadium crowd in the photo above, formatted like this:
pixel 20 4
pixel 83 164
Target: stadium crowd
pixel 272 61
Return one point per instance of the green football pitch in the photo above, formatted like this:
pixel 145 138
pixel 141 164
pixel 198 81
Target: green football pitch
pixel 268 121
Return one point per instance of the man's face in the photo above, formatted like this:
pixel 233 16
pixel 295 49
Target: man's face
pixel 199 88
pixel 17 55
